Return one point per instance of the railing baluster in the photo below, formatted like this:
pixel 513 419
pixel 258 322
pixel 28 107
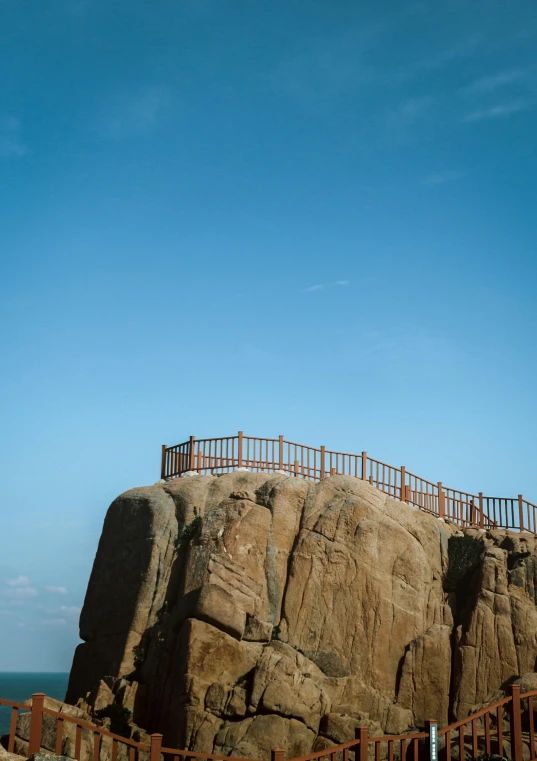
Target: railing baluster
pixel 486 720
pixel 499 714
pixel 531 728
pixel 59 737
pixel 12 729
pixel 461 743
pixel 96 746
pixel 78 741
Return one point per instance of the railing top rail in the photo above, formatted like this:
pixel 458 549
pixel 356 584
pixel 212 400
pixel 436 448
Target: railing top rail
pixel 94 728
pixel 461 493
pixel 476 715
pixel 13 704
pixel 529 694
pixel 199 754
pixel 259 438
pixel 327 751
pixel 420 478
pixel 305 446
pixel 351 743
pixel 392 738
pixel 384 464
pixel 218 438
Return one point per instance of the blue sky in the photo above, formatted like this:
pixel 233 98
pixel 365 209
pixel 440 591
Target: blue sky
pixel 307 218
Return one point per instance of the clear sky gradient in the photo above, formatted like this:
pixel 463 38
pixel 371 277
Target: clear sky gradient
pixel 302 217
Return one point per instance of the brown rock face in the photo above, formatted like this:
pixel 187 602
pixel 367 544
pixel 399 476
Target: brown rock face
pixel 266 611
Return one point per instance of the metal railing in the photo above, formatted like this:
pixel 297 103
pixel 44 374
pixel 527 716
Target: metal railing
pixel 221 455
pixel 510 719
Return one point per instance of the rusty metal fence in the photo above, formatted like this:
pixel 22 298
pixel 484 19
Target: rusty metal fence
pixel 228 453
pixel 505 728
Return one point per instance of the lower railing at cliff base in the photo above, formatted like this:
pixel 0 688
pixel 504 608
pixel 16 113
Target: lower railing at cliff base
pixel 505 728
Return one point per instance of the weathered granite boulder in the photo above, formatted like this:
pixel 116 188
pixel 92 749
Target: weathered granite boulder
pixel 251 611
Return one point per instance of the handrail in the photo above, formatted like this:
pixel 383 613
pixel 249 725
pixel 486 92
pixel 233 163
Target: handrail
pixel 221 455
pixel 94 728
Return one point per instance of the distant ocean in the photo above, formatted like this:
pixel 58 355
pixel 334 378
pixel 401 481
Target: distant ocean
pixel 19 686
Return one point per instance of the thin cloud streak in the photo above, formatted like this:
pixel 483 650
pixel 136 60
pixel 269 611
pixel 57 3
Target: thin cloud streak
pixel 57 590
pixel 322 286
pixel 21 593
pixel 442 177
pixel 133 113
pixel 505 109
pixel 486 85
pixel 11 143
pixel 20 581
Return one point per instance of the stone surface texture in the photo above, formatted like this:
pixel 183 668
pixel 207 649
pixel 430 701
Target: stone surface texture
pixel 249 611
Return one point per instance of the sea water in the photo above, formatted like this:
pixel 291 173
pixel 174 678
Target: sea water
pixel 19 686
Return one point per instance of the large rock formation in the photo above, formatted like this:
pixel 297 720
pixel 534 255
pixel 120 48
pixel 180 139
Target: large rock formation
pixel 247 611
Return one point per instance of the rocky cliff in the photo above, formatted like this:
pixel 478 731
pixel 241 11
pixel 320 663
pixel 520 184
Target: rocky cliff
pixel 247 611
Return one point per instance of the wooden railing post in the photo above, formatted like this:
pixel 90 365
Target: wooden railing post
pixel 516 724
pixel 431 726
pixel 521 512
pixel 191 461
pixel 441 501
pixel 280 447
pixel 364 466
pixel 403 484
pixel 481 513
pixel 360 733
pixel 277 755
pixel 322 462
pixel 239 455
pixel 472 513
pixel 156 744
pixel 296 468
pixel 163 462
pixel 36 723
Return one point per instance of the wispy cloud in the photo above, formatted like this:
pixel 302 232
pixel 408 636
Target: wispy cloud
pixel 489 84
pixel 132 114
pixel 19 589
pixel 501 110
pixel 322 286
pixel 380 344
pixel 70 610
pixel 20 581
pixel 330 66
pixel 44 623
pixel 11 142
pixel 54 622
pixel 57 590
pixel 405 122
pixel 440 178
pixel 457 52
